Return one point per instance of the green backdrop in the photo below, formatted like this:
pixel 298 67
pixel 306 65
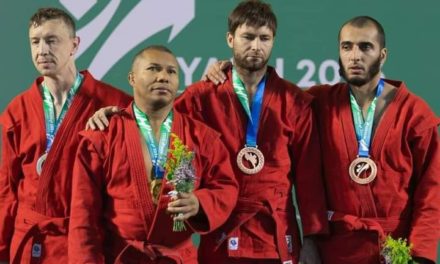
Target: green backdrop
pixel 305 51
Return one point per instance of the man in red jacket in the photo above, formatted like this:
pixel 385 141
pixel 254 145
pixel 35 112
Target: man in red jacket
pixel 124 216
pixel 39 141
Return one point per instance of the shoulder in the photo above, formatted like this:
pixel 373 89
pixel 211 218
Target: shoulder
pixel 417 111
pixel 104 92
pixel 20 106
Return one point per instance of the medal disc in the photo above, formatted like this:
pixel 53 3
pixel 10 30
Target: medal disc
pixel 363 170
pixel 250 160
pixel 40 163
pixel 156 186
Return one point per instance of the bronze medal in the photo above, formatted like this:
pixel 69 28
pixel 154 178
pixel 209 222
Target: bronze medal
pixel 363 170
pixel 250 160
pixel 40 163
pixel 155 188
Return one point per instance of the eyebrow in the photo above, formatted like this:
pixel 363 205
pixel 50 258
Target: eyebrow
pixel 160 65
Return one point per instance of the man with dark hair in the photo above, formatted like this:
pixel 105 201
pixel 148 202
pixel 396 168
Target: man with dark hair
pixel 124 218
pixel 268 125
pixel 382 155
pixel 39 141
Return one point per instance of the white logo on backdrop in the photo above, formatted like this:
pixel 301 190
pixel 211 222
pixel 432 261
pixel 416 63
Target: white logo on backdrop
pixel 147 18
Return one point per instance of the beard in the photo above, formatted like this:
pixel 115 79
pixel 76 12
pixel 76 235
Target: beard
pixel 373 70
pixel 250 65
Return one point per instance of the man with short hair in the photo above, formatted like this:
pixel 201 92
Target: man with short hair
pixel 381 155
pixel 125 216
pixel 39 141
pixel 268 126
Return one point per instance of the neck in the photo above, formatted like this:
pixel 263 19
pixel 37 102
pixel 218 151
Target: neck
pixel 156 115
pixel 251 79
pixel 60 85
pixel 365 94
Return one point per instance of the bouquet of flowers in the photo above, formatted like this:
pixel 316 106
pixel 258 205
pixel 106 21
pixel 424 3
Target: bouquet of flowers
pixel 180 172
pixel 396 251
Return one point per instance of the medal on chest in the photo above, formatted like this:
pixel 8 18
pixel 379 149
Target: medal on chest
pixel 250 159
pixel 155 189
pixel 363 169
pixel 158 150
pixel 52 122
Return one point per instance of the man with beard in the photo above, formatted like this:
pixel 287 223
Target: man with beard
pixel 39 141
pixel 268 126
pixel 382 155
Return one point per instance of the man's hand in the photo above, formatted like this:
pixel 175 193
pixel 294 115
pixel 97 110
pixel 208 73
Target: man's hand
pixel 99 119
pixel 215 72
pixel 184 206
pixel 309 253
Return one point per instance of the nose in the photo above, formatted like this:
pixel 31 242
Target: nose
pixel 163 76
pixel 43 48
pixel 355 54
pixel 255 45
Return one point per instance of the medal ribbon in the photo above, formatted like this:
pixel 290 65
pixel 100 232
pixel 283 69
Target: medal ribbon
pixel 253 114
pixel 52 122
pixel 364 127
pixel 158 151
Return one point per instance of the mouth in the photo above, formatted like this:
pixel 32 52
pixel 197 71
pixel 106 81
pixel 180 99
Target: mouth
pixel 161 89
pixel 356 69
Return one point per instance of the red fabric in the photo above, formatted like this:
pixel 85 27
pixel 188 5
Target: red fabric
pixel 48 195
pixel 288 138
pixel 118 209
pixel 403 199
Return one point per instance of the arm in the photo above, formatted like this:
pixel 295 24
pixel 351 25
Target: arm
pixel 424 233
pixel 308 178
pixel 10 175
pixel 85 228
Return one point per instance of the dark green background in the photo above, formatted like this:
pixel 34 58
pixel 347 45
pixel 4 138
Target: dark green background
pixel 307 30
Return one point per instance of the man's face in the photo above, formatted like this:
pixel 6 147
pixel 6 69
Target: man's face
pixel 251 46
pixel 52 47
pixel 360 54
pixel 154 78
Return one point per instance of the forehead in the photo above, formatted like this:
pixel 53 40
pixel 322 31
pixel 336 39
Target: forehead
pixel 245 28
pixel 367 33
pixel 49 27
pixel 162 58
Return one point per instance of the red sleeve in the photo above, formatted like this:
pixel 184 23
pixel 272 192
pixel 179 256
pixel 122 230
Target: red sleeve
pixel 218 189
pixel 10 175
pixel 308 178
pixel 85 231
pixel 425 232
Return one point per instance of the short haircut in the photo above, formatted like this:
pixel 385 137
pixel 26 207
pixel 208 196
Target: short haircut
pixel 49 13
pixel 152 47
pixel 252 13
pixel 364 21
